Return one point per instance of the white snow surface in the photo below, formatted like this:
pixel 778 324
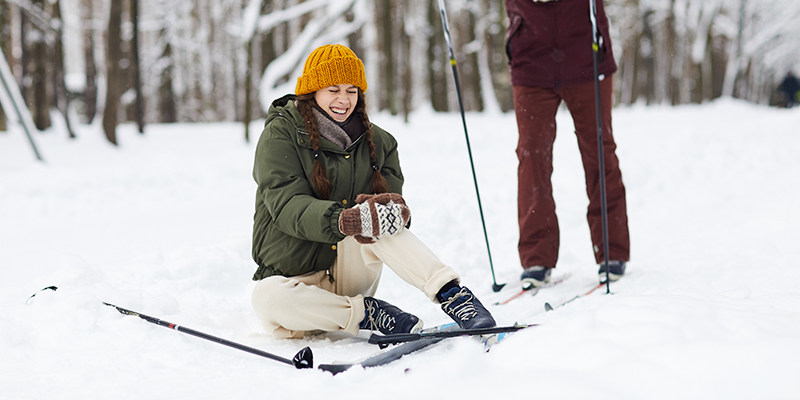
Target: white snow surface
pixel 709 308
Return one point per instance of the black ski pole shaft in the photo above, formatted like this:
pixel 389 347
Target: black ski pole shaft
pixel 303 359
pixel 496 287
pixel 410 337
pixel 596 37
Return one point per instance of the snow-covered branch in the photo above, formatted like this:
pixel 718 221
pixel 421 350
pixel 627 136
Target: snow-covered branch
pixel 252 21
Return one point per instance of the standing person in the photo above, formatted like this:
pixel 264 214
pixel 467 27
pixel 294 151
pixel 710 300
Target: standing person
pixel 329 214
pixel 549 49
pixel 790 90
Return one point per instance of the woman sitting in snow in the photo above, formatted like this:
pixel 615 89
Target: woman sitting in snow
pixel 329 214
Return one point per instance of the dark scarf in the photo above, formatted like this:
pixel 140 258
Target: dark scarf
pixel 341 133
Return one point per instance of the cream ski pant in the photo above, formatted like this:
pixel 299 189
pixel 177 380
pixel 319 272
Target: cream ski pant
pixel 288 307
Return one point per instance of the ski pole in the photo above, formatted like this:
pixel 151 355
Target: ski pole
pixel 495 286
pixel 303 358
pixel 603 207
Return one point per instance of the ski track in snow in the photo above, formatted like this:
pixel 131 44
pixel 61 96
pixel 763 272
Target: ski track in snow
pixel 161 225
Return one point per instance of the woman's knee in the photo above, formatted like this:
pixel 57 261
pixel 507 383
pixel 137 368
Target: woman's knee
pixel 270 292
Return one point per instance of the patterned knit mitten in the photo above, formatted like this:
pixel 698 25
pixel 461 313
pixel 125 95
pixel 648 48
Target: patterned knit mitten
pixel 374 216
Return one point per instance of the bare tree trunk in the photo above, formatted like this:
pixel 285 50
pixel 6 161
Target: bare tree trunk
pixel 733 69
pixel 136 65
pixel 468 71
pixel 437 58
pixel 628 69
pixel 495 48
pixel 248 91
pixel 39 100
pixel 5 46
pixel 739 53
pixel 271 43
pixel 24 57
pixel 649 55
pixel 61 94
pixel 405 59
pixel 114 74
pixel 166 95
pixel 388 95
pixel 669 61
pixel 267 53
pixel 90 92
pixel 707 72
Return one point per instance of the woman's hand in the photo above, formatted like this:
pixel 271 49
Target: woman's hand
pixel 375 216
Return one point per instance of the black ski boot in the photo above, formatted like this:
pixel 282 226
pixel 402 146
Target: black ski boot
pixel 388 319
pixel 464 308
pixel 536 276
pixel 615 271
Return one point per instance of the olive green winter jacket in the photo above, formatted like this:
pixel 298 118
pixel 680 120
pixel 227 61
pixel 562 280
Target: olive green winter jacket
pixel 295 232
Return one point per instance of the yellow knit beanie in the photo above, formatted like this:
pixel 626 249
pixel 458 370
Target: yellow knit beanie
pixel 328 65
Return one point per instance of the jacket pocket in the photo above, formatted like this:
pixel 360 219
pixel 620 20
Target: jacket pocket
pixel 283 254
pixel 513 29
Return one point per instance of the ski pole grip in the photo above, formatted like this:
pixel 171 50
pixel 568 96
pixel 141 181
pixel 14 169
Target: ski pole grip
pixel 393 339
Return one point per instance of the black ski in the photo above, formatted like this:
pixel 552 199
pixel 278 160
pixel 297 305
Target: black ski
pixel 385 340
pixel 393 354
pixel 414 342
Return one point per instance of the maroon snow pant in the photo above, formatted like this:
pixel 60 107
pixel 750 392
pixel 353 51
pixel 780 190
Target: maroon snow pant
pixel 538 226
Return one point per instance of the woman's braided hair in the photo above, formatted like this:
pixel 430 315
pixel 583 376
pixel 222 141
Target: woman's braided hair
pixel 319 180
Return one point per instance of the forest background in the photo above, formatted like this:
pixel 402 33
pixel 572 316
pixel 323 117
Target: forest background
pixel 161 61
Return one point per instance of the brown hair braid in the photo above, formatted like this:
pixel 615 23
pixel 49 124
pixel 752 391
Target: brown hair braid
pixel 319 179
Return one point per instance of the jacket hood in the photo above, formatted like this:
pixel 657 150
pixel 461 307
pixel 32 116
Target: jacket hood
pixel 283 106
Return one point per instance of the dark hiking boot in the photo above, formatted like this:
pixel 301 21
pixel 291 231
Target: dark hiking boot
pixel 464 308
pixel 388 319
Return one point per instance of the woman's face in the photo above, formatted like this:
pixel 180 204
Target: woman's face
pixel 338 100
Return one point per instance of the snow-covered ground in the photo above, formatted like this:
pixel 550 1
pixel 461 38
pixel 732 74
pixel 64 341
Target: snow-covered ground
pixel 710 307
